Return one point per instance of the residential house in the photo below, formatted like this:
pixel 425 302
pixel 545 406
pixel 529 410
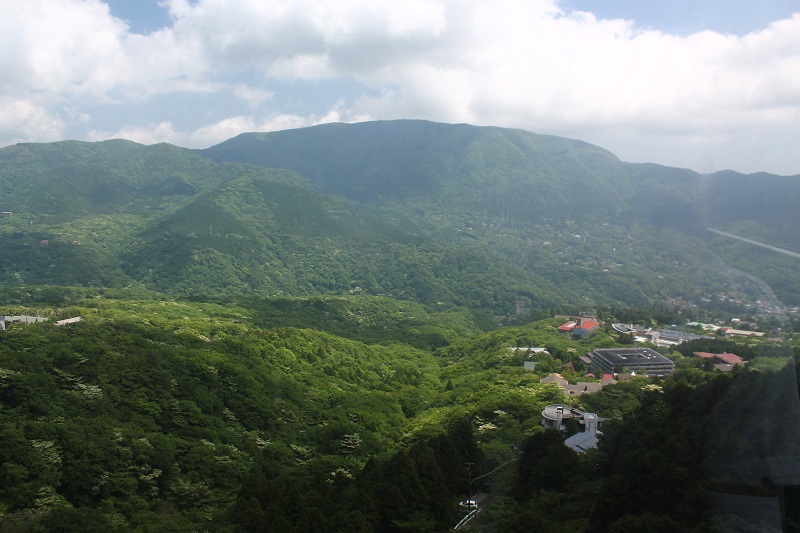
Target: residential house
pixel 580 327
pixel 723 362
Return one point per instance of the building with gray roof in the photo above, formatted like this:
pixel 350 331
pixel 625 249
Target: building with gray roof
pixel 638 360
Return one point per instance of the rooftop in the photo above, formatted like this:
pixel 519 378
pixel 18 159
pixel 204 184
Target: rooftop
pixel 727 358
pixel 621 356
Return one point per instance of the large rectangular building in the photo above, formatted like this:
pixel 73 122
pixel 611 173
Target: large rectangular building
pixel 638 360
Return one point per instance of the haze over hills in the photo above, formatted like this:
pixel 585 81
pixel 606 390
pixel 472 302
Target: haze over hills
pixel 503 221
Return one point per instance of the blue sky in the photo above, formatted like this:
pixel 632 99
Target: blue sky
pixel 706 85
pixel 143 16
pixel 684 17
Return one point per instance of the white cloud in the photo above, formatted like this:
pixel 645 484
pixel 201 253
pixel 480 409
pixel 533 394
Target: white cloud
pixel 148 134
pixel 232 126
pixel 518 63
pixel 22 120
pixel 252 95
pixel 223 129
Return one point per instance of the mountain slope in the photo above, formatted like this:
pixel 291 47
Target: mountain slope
pixel 411 160
pixel 513 193
pixel 258 235
pixel 502 221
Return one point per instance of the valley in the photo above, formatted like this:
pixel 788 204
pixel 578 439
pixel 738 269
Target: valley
pixel 317 329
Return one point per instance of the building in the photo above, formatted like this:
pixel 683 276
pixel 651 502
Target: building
pixel 558 379
pixel 25 319
pixel 531 350
pixel 582 387
pixel 722 361
pixel 730 332
pixel 66 321
pixel 580 327
pixel 554 416
pixel 672 337
pixel 585 440
pixel 637 360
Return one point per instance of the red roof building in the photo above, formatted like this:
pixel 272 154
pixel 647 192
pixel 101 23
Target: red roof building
pixel 579 327
pixel 721 358
pixel 584 323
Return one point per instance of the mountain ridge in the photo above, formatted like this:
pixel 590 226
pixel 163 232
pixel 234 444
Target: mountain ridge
pixel 399 208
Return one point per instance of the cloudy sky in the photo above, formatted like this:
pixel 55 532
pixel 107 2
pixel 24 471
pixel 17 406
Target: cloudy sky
pixel 703 84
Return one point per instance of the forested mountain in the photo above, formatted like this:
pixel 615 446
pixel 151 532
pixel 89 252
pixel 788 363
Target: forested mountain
pixel 325 329
pixel 503 221
pixel 508 172
pixel 522 184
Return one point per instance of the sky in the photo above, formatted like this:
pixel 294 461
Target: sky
pixel 701 84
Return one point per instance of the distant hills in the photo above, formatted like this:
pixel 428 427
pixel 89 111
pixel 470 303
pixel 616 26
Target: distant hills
pixel 501 221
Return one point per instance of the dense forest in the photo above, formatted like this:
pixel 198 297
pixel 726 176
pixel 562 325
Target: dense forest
pixel 154 414
pixel 346 328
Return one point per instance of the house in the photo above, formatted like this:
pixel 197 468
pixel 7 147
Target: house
pixel 724 359
pixel 580 327
pixel 638 360
pixel 554 378
pixel 582 387
pixel 607 379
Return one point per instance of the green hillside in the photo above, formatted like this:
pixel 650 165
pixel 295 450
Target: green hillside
pixel 761 206
pixel 501 170
pixel 160 415
pixel 57 182
pixel 501 221
pixel 514 193
pixel 149 407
